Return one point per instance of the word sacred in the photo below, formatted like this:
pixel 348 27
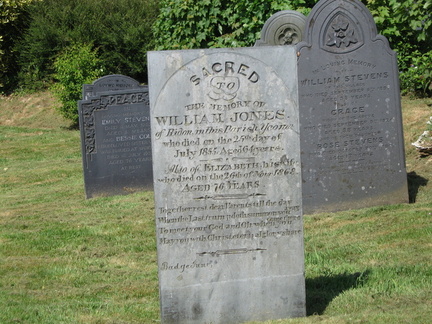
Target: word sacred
pixel 227 68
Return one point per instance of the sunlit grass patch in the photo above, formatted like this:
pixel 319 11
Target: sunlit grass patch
pixel 65 259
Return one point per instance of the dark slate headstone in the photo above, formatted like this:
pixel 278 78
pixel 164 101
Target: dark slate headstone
pixel 285 27
pixel 227 184
pixel 115 137
pixel 113 82
pixel 350 112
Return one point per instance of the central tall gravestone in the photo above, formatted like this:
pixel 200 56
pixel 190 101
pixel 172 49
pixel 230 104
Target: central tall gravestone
pixel 115 136
pixel 350 112
pixel 227 184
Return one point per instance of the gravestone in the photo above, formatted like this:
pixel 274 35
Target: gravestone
pixel 350 113
pixel 114 82
pixel 115 137
pixel 285 27
pixel 227 184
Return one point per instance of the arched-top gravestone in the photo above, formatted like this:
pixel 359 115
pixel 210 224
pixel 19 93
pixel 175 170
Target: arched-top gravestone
pixel 283 28
pixel 113 82
pixel 227 184
pixel 350 113
pixel 115 136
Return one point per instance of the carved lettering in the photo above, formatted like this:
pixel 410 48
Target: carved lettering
pixel 227 68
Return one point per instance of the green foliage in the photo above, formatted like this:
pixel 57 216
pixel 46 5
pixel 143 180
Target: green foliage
pixel 220 23
pixel 12 21
pixel 76 66
pixel 416 80
pixel 201 24
pixel 119 29
pixel 11 10
pixel 403 21
pixel 122 31
pixel 408 27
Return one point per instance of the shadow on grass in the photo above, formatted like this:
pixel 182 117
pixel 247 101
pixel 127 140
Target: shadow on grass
pixel 414 183
pixel 322 290
pixel 71 127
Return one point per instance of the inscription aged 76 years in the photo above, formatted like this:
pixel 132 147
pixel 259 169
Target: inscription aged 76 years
pixel 115 136
pixel 227 184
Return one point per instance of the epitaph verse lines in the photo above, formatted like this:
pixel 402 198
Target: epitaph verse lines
pixel 227 184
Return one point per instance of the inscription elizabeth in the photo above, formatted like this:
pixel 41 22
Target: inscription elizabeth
pixel 225 140
pixel 221 146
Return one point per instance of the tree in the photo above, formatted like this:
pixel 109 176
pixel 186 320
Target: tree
pixel 407 24
pixel 186 24
pixel 12 21
pixel 120 30
pixel 75 66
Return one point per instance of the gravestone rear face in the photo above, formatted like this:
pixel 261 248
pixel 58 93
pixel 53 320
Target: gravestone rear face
pixel 227 184
pixel 285 27
pixel 350 113
pixel 115 137
pixel 114 82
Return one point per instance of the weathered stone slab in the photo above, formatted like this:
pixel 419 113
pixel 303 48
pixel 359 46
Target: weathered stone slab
pixel 227 184
pixel 285 27
pixel 350 112
pixel 113 82
pixel 115 137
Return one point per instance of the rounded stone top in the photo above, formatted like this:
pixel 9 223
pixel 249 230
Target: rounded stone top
pixel 283 28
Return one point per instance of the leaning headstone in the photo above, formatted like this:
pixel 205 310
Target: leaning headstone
pixel 115 137
pixel 350 112
pixel 227 184
pixel 285 27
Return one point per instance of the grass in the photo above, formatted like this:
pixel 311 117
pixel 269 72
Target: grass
pixel 65 259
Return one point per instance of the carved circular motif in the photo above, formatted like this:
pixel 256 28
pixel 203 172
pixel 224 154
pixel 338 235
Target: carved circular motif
pixel 287 35
pixel 341 33
pixel 283 28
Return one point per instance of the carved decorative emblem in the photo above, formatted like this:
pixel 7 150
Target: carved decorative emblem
pixel 288 36
pixel 341 34
pixel 223 87
pixel 89 125
pixel 283 28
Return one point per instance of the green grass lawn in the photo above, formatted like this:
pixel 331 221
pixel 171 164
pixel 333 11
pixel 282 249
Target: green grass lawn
pixel 65 259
